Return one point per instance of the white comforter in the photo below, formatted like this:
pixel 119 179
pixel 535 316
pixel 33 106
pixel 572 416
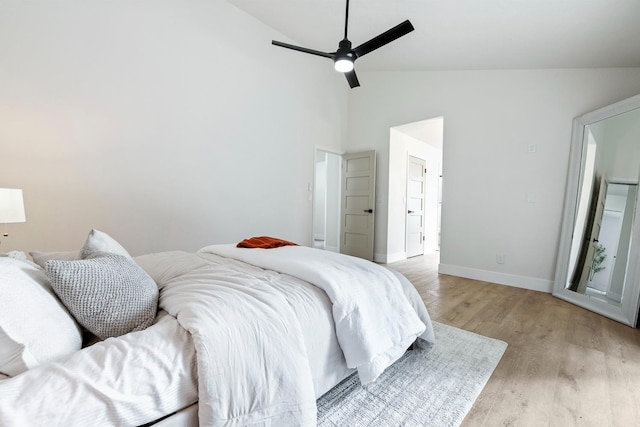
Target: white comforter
pixel 252 361
pixel 251 357
pixel 375 321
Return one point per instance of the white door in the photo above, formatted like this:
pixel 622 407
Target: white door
pixel 593 236
pixel 358 201
pixel 416 172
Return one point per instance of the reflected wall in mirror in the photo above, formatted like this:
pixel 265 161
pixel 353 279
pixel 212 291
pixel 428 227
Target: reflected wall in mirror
pixel 600 240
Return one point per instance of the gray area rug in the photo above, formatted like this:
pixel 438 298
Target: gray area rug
pixel 433 387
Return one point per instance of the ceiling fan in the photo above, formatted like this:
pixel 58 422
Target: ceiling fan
pixel 345 56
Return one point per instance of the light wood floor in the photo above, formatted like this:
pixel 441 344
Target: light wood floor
pixel 564 366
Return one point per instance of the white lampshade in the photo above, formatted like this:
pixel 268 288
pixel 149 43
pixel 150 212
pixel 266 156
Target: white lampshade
pixel 11 206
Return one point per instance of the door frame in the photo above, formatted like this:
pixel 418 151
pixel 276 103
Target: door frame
pixel 423 139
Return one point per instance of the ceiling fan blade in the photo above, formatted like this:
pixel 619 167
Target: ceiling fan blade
pixel 384 38
pixel 352 78
pixel 302 49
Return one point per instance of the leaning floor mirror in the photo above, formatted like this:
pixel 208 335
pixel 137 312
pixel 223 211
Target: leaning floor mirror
pixel 599 255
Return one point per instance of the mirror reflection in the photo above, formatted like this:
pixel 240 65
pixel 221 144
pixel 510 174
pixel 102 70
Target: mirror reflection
pixel 605 207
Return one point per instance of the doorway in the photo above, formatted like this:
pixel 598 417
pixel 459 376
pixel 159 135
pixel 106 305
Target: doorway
pixel 421 140
pixel 326 200
pixel 343 214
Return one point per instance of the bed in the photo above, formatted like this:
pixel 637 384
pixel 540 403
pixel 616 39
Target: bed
pixel 223 336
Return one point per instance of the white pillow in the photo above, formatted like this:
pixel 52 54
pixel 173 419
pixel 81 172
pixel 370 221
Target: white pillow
pixel 34 326
pixel 41 258
pixel 98 241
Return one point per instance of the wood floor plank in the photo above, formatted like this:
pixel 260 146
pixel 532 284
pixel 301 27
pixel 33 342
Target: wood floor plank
pixel 564 366
pixel 623 380
pixel 581 396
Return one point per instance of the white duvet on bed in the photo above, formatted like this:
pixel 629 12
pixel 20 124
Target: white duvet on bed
pixel 375 320
pixel 251 356
pixel 254 361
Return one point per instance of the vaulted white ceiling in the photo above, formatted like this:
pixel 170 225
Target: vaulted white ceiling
pixel 465 34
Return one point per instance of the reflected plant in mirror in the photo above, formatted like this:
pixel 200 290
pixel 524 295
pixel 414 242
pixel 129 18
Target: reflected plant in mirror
pixel 598 259
pixel 600 238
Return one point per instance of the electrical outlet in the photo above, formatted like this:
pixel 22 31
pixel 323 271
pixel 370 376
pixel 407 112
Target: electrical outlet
pixel 500 258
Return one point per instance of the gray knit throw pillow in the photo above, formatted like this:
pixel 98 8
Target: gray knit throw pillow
pixel 108 294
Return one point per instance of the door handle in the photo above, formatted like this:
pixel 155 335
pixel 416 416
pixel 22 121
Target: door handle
pixel 368 210
pixel 409 211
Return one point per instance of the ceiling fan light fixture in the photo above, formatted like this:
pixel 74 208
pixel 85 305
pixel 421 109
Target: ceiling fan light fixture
pixel 346 55
pixel 344 65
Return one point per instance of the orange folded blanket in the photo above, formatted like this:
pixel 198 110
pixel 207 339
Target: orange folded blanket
pixel 264 242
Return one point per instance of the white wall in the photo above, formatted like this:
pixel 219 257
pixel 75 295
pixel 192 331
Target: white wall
pixel 621 136
pixel 491 118
pixel 622 256
pixel 168 124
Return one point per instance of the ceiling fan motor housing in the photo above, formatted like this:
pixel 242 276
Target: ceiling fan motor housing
pixel 344 49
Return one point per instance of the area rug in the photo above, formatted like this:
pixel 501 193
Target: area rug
pixel 435 387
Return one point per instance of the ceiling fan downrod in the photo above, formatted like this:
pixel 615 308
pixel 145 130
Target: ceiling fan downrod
pixel 346 22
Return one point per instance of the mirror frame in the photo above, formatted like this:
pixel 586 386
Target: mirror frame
pixel 627 313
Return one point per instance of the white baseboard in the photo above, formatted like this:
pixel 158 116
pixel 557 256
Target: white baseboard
pixel 398 256
pixel 389 258
pixel 380 258
pixel 532 283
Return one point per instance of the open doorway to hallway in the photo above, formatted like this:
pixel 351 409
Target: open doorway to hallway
pixel 326 200
pixel 414 200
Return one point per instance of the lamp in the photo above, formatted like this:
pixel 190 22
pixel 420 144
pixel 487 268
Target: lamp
pixel 344 57
pixel 344 65
pixel 11 207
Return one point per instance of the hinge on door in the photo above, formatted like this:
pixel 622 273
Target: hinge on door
pixel 425 170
